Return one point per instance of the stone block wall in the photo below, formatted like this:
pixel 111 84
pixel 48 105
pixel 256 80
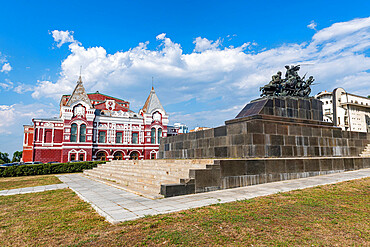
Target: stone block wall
pixel 265 137
pixel 232 173
pixel 269 127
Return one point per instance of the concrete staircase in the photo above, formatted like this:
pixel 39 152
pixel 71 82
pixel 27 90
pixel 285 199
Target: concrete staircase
pixel 145 177
pixel 366 151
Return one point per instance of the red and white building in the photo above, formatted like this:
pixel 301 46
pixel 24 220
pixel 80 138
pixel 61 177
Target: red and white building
pixel 96 127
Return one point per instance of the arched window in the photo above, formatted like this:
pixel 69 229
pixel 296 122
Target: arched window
pixel 73 157
pixel 101 155
pixel 134 155
pixel 83 133
pixel 74 132
pixel 118 156
pixel 152 136
pixel 159 135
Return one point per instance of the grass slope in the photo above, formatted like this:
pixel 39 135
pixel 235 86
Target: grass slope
pixel 29 181
pixel 335 215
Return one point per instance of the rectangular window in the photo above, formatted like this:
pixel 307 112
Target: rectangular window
pixel 101 136
pixel 135 139
pixel 119 137
pixel 81 157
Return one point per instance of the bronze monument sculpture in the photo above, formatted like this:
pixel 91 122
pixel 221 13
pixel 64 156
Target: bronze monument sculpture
pixel 291 85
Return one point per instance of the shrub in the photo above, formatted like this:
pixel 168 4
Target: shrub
pixel 43 169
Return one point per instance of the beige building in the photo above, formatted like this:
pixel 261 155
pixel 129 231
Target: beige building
pixel 349 111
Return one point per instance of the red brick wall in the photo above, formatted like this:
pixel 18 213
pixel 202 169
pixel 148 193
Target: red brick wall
pixel 27 155
pixel 48 155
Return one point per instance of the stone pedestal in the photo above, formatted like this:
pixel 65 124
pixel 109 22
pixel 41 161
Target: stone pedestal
pixel 269 127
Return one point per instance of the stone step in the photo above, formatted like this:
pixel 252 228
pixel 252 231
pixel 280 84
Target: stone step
pixel 169 165
pixel 146 176
pixel 177 167
pixel 130 184
pixel 156 162
pixel 153 175
pixel 150 169
pixel 134 178
pixel 137 191
pixel 175 172
pixel 366 151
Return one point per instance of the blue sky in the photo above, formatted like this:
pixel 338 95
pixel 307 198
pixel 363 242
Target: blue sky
pixel 208 58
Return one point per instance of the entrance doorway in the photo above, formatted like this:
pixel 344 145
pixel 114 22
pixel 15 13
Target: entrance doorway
pixel 153 156
pixel 134 155
pixel 101 155
pixel 118 156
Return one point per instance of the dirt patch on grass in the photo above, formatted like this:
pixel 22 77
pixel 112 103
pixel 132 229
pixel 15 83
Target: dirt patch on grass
pixel 335 215
pixel 27 181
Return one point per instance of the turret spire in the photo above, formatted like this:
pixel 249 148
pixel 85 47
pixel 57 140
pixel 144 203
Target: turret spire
pixel 80 77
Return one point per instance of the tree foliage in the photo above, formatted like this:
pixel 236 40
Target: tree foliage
pixel 42 169
pixel 17 156
pixel 4 158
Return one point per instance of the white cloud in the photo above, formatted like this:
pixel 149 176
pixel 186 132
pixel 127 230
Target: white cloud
pixel 312 25
pixel 203 44
pixel 18 114
pixel 62 37
pixel 232 75
pixel 341 29
pixel 6 68
pixel 7 85
pixel 15 116
pixel 23 88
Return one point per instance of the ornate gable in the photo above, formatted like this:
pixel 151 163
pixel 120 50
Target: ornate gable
pixel 79 94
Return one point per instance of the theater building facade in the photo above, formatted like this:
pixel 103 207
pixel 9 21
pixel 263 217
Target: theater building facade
pixel 95 126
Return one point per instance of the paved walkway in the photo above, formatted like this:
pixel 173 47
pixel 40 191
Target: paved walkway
pixel 117 205
pixel 32 189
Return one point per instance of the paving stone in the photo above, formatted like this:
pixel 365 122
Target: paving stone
pixel 106 197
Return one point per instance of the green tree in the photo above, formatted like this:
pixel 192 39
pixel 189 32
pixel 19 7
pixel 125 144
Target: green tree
pixel 4 158
pixel 17 156
pixel 368 96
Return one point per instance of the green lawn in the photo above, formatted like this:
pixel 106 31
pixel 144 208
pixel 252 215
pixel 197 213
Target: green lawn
pixel 27 181
pixel 331 215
